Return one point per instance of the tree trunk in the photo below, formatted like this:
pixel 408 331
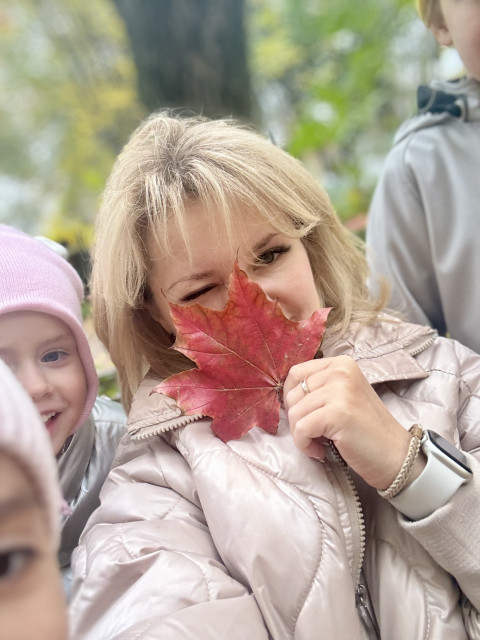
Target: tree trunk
pixel 190 54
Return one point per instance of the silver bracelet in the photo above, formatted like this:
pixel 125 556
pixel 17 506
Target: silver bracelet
pixel 402 476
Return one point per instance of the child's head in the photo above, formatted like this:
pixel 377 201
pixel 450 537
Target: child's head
pixel 455 23
pixel 41 332
pixel 172 169
pixel 32 603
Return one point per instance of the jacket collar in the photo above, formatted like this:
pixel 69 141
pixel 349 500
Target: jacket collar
pixel 152 413
pixel 384 351
pixel 441 101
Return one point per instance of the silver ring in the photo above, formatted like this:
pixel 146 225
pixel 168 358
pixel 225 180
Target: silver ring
pixel 304 386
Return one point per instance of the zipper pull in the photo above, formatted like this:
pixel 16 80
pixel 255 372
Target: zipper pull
pixel 360 596
pixel 368 619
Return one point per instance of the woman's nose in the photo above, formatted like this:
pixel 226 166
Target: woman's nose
pixel 273 293
pixel 221 301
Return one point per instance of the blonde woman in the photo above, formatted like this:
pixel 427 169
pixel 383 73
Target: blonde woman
pixel 330 528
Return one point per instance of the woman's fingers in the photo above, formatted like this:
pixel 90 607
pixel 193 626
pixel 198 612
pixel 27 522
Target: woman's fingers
pixel 303 379
pixel 303 372
pixel 331 399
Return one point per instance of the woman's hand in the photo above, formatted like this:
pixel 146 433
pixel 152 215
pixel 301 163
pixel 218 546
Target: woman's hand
pixel 342 406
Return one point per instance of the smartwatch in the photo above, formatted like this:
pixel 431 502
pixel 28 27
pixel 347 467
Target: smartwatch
pixel 446 470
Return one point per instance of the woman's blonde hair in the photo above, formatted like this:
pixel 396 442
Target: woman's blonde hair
pixel 172 162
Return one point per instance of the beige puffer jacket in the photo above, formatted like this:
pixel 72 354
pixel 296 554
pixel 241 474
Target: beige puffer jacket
pixel 197 539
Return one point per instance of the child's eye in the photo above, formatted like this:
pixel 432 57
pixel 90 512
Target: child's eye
pixel 267 257
pixel 53 356
pixel 13 562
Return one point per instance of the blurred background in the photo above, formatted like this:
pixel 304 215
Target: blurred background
pixel 328 80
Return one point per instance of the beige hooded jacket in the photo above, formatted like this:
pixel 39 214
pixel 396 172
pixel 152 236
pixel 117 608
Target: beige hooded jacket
pixel 250 539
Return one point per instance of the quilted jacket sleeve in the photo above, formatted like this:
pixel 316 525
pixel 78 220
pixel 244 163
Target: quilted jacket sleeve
pixel 146 566
pixel 452 533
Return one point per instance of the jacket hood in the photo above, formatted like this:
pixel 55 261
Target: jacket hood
pixel 467 93
pixel 384 351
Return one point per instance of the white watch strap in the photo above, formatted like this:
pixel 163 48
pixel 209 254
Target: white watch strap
pixel 432 489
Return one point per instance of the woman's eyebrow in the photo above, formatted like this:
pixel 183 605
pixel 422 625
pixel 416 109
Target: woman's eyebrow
pixel 192 277
pixel 263 243
pixel 16 504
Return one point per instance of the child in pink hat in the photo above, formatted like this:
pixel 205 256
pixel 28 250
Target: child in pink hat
pixel 32 602
pixel 43 341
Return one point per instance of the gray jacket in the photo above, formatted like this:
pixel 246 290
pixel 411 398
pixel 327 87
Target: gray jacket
pixel 424 222
pixel 250 539
pixel 83 469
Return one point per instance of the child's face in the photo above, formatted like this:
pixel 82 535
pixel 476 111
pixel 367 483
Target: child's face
pixel 461 29
pixel 279 264
pixel 32 605
pixel 42 353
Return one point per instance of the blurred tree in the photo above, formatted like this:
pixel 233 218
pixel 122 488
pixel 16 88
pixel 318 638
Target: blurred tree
pixel 190 53
pixel 68 104
pixel 331 81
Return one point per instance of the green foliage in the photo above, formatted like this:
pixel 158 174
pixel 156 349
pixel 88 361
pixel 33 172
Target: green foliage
pixel 339 74
pixel 69 105
pixel 340 66
pixel 108 385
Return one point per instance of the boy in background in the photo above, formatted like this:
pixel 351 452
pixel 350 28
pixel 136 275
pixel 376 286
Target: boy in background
pixel 423 230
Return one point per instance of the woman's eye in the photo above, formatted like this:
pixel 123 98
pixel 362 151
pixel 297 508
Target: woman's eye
pixel 267 257
pixel 196 294
pixel 53 356
pixel 13 562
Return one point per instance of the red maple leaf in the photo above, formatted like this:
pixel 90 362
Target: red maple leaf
pixel 243 354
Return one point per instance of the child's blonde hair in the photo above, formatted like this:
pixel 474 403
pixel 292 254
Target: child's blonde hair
pixel 171 163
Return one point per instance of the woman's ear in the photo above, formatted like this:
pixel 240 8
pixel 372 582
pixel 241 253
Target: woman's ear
pixel 441 32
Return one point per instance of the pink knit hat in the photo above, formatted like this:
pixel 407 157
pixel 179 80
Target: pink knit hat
pixel 23 437
pixel 33 277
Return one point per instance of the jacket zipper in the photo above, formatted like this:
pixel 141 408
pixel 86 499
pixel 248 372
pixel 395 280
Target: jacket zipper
pixel 182 421
pixel 361 592
pixel 356 516
pixel 418 347
pixel 362 599
pixel 356 513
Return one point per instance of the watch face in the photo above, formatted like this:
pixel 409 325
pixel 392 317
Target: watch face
pixel 449 450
